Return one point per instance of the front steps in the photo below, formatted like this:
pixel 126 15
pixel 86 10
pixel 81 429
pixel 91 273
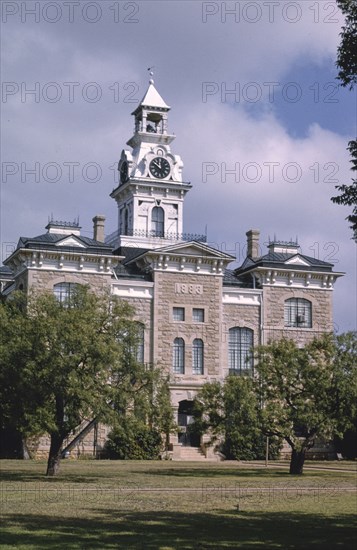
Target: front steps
pixel 193 454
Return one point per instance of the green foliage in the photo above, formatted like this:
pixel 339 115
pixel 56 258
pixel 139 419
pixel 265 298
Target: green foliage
pixel 57 359
pixel 134 440
pixel 308 392
pixel 347 63
pixel 230 411
pixel 348 193
pixel 347 50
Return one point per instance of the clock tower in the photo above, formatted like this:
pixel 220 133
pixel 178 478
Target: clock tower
pixel 151 191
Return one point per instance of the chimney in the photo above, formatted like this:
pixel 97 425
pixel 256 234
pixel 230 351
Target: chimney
pixel 98 228
pixel 253 248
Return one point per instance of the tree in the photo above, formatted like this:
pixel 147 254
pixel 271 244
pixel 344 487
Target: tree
pixel 139 424
pixel 308 393
pixel 347 50
pixel 230 412
pixel 62 363
pixel 348 196
pixel 347 64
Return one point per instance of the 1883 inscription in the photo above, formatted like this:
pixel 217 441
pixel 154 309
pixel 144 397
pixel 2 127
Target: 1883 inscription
pixel 183 288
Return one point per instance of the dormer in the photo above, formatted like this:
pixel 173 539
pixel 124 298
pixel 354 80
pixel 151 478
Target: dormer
pixel 63 228
pixel 284 247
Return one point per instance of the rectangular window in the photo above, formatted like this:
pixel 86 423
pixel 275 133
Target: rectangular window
pixel 178 313
pixel 198 315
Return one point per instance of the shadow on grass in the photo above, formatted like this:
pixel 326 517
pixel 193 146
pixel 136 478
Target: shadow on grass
pixel 159 529
pixel 7 476
pixel 216 472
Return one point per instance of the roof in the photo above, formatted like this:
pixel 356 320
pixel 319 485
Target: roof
pixel 231 279
pixel 50 240
pixel 5 272
pixel 280 260
pixel 130 253
pixel 152 98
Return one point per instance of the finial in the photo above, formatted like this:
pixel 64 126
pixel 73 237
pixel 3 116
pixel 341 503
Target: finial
pixel 151 74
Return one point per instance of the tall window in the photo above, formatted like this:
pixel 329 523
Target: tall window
pixel 126 221
pixel 240 350
pixel 197 356
pixel 140 343
pixel 178 359
pixel 64 291
pixel 157 221
pixel 297 313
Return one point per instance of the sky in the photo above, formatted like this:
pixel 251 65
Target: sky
pixel 260 120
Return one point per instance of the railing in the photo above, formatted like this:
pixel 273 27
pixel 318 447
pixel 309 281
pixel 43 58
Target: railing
pixel 78 438
pixel 141 233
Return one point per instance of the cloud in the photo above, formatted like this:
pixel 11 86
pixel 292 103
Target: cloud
pixel 247 136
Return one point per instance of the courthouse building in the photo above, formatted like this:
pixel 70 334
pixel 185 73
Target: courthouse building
pixel 200 319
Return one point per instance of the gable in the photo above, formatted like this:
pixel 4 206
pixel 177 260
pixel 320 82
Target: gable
pixel 297 260
pixel 71 241
pixel 194 249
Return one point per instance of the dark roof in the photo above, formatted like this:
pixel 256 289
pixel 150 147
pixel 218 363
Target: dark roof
pixel 5 273
pixel 277 260
pixel 128 270
pixel 131 272
pixel 49 240
pixel 130 253
pixel 231 279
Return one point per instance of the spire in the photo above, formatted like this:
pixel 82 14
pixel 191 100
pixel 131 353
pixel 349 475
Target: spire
pixel 152 99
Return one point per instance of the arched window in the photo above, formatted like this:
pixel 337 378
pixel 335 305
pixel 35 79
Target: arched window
pixel 297 313
pixel 157 221
pixel 178 358
pixel 240 350
pixel 64 291
pixel 197 356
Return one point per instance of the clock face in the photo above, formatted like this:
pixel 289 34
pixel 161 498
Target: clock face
pixel 124 172
pixel 159 167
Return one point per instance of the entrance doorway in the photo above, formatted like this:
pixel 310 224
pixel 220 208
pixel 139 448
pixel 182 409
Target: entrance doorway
pixel 187 436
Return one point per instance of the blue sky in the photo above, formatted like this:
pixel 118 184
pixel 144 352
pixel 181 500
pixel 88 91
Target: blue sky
pixel 200 52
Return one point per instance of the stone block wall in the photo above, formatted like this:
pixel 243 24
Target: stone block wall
pixel 273 319
pixel 187 290
pixel 45 280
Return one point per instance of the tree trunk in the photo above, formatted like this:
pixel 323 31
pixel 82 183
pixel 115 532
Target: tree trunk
pixel 297 461
pixel 54 457
pixel 25 451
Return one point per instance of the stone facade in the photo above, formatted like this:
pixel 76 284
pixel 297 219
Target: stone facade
pixel 274 300
pixel 152 265
pixel 203 292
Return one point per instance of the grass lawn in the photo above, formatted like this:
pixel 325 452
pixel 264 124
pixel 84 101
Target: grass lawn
pixel 176 506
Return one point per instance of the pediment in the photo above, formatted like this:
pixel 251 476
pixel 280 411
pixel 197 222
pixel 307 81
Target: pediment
pixel 194 249
pixel 297 260
pixel 71 241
